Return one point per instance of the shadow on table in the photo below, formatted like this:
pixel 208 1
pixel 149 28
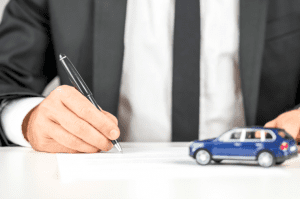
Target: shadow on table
pixel 225 163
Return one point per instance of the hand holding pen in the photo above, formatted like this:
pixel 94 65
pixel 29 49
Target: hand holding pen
pixel 78 83
pixel 67 122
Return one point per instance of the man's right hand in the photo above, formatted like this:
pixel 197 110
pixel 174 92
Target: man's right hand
pixel 67 122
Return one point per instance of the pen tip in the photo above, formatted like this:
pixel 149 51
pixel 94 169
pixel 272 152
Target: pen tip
pixel 117 145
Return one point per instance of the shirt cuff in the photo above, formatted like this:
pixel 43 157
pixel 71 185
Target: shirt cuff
pixel 13 115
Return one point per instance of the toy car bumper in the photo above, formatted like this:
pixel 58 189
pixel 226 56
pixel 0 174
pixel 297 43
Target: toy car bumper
pixel 283 158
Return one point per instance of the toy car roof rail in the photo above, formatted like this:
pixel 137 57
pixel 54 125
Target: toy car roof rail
pixel 253 127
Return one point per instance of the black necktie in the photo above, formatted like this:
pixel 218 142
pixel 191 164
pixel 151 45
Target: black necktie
pixel 186 71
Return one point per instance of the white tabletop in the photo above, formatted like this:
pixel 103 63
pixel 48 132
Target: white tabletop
pixel 25 173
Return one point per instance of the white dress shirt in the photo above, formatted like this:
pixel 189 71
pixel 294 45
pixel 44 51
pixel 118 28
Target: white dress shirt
pixel 146 85
pixel 221 103
pixel 13 115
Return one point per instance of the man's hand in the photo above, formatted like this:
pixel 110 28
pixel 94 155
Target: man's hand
pixel 67 122
pixel 289 121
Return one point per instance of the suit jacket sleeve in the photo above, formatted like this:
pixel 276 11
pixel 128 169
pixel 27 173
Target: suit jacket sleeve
pixel 27 60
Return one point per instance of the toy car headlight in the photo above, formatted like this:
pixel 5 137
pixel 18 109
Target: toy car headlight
pixel 195 146
pixel 293 148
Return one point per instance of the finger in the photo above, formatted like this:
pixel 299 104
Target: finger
pixel 271 124
pixel 51 146
pixel 100 108
pixel 111 117
pixel 44 143
pixel 257 134
pixel 84 109
pixel 55 147
pixel 81 129
pixel 66 139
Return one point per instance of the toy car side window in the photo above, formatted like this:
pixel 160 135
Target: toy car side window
pixel 254 135
pixel 236 135
pixel 231 136
pixel 226 136
pixel 269 136
pixel 285 135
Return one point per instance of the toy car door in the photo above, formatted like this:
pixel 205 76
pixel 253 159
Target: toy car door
pixel 228 144
pixel 252 143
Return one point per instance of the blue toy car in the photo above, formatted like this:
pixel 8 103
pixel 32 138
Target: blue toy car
pixel 268 146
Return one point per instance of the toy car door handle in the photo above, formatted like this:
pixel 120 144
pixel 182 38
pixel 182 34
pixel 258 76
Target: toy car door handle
pixel 237 144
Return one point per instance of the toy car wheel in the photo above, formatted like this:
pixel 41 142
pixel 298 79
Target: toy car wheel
pixel 203 157
pixel 278 163
pixel 266 159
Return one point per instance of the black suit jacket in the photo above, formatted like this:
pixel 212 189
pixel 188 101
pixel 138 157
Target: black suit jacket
pixel 91 33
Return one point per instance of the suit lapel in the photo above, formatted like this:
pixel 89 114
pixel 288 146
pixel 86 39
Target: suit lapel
pixel 109 24
pixel 253 16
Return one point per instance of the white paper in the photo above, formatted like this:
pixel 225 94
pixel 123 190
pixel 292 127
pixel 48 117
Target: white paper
pixel 167 162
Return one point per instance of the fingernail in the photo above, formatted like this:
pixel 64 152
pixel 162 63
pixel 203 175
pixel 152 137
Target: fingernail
pixel 114 133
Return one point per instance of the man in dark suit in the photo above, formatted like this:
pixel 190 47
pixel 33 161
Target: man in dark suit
pixel 91 33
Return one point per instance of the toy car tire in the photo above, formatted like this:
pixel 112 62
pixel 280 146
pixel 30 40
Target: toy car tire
pixel 278 163
pixel 203 157
pixel 266 159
